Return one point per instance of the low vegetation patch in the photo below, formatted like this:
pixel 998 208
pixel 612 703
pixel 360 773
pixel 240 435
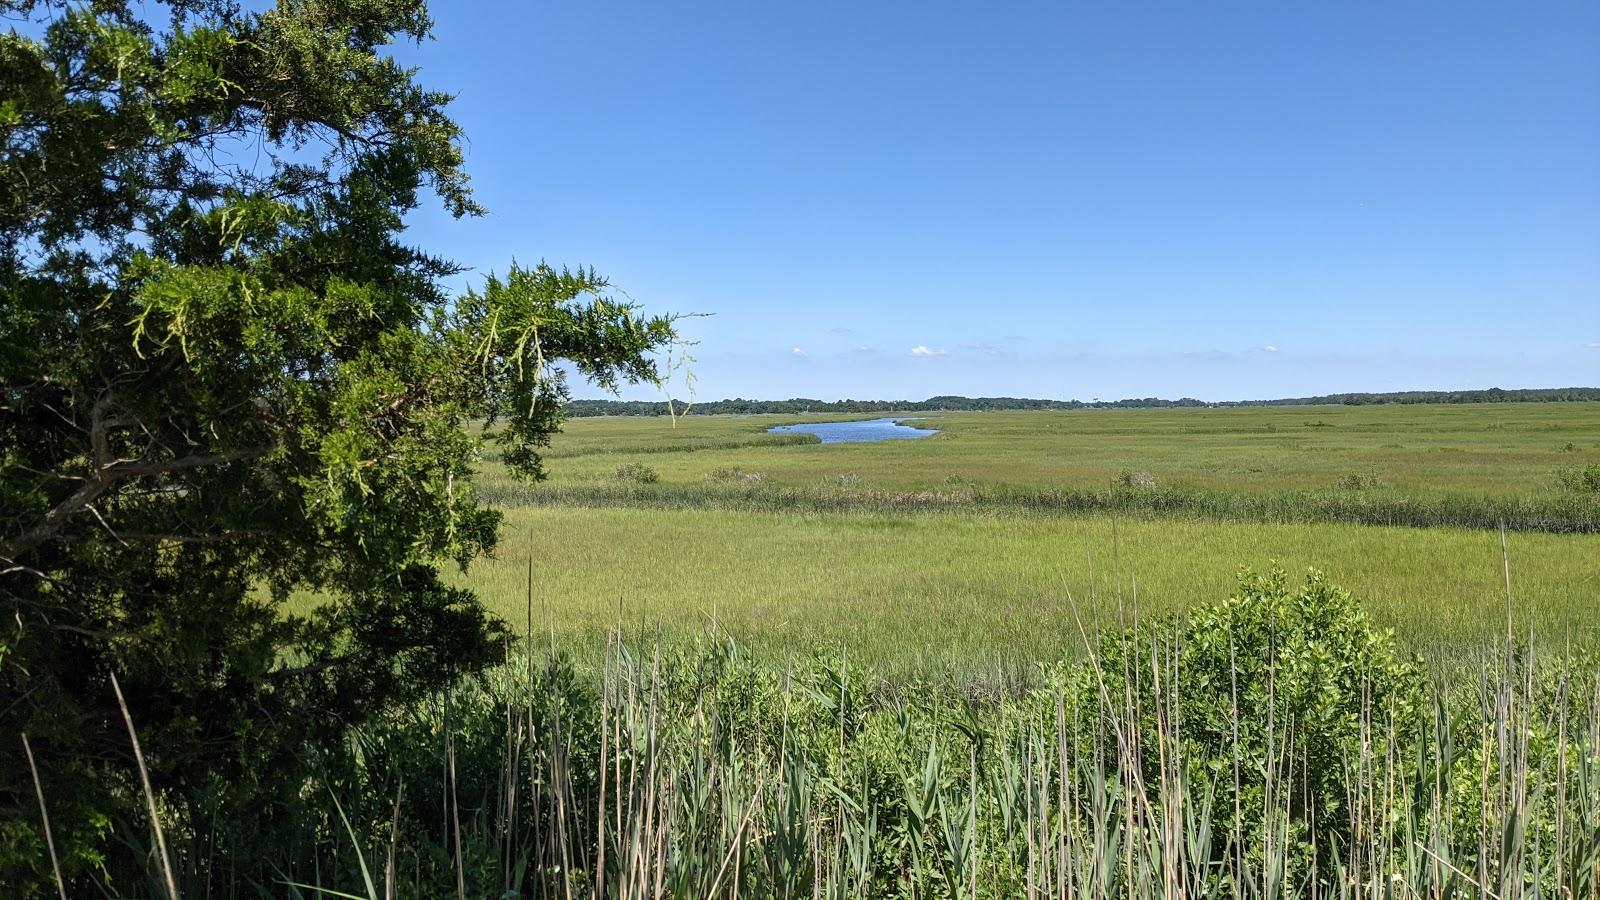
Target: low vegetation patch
pixel 637 473
pixel 734 475
pixel 1356 481
pixel 1139 478
pixel 1571 512
pixel 1581 479
pixel 1271 744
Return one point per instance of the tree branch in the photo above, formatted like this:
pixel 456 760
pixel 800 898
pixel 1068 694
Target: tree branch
pixel 107 474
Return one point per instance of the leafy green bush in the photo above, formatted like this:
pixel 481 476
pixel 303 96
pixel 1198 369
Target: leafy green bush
pixel 1275 683
pixel 638 473
pixel 1581 479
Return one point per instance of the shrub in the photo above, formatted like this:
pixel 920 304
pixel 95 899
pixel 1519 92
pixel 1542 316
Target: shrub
pixel 638 473
pixel 1581 479
pixel 726 475
pixel 1356 481
pixel 1136 479
pixel 1271 676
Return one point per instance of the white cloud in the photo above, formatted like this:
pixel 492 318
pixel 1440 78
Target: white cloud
pixel 1593 345
pixel 920 350
pixel 1270 349
pixel 801 354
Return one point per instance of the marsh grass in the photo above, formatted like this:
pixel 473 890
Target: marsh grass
pixel 735 475
pixel 1361 502
pixel 951 592
pixel 867 674
pixel 693 769
pixel 1422 451
pixel 1421 466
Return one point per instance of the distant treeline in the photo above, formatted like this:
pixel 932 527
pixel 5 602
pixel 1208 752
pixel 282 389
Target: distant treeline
pixel 803 405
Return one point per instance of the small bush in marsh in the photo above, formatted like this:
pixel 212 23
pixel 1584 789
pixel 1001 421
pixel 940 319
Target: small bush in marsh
pixel 734 475
pixel 637 473
pixel 1273 672
pixel 1581 479
pixel 1136 479
pixel 1357 481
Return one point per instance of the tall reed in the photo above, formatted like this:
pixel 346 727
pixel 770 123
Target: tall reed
pixel 1270 746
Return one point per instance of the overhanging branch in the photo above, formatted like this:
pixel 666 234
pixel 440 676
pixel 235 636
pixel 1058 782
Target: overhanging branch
pixel 107 474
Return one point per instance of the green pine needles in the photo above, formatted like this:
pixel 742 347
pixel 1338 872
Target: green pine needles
pixel 224 383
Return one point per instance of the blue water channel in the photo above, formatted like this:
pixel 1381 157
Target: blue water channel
pixel 865 431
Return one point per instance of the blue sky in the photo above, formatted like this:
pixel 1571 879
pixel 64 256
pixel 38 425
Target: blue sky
pixel 897 200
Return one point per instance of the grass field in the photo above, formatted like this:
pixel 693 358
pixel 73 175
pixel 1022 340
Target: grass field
pixel 1498 450
pixel 814 554
pixel 957 593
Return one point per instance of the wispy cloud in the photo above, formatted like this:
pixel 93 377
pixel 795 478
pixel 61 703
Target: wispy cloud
pixel 1269 349
pixel 920 350
pixel 1593 345
pixel 799 354
pixel 839 329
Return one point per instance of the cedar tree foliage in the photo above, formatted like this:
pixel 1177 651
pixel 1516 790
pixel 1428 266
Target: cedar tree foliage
pixel 226 379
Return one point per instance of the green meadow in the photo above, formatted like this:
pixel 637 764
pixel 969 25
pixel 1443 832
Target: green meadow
pixel 939 555
pixel 1497 450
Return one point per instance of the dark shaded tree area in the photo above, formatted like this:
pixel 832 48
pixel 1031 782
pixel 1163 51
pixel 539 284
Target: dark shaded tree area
pixel 802 406
pixel 226 378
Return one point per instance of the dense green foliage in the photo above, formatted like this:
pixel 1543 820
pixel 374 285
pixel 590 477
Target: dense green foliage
pixel 225 378
pixel 1271 745
pixel 1269 673
pixel 1582 479
pixel 804 406
pixel 243 472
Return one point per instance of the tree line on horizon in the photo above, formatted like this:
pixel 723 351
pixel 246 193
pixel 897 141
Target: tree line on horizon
pixel 956 403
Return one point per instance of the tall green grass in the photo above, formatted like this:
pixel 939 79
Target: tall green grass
pixel 1565 513
pixel 970 592
pixel 1270 746
pixel 1425 452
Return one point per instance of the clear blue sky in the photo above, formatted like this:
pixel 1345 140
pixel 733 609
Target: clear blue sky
pixel 896 200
